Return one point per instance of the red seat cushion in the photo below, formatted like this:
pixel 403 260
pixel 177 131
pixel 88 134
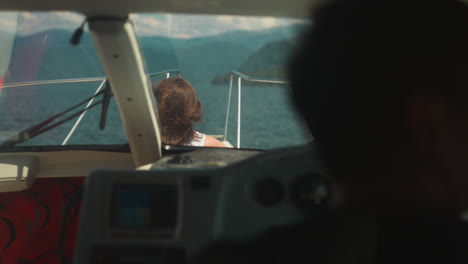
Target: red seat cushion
pixel 31 221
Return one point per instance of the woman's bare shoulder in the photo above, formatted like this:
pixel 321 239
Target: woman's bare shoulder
pixel 210 141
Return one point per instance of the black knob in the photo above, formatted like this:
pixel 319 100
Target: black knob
pixel 269 192
pixel 309 191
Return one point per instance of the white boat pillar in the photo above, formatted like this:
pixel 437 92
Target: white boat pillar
pixel 119 52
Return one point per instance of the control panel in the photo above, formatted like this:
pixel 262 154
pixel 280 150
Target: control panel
pixel 169 215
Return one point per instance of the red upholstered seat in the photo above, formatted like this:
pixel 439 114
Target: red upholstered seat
pixel 31 222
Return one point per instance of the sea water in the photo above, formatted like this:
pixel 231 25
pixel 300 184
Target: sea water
pixel 267 118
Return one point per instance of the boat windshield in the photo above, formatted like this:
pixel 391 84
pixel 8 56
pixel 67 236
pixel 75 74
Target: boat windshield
pixel 42 75
pixel 220 55
pixel 51 92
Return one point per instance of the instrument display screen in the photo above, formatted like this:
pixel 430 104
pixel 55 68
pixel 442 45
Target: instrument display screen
pixel 141 206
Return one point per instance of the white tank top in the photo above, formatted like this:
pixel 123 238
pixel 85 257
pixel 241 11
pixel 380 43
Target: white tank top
pixel 198 140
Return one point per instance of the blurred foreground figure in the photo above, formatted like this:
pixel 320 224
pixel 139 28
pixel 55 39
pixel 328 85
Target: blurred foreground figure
pixel 383 87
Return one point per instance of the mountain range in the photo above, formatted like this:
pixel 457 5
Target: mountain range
pixel 267 118
pixel 49 55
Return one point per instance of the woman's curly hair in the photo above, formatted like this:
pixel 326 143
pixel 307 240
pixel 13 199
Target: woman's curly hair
pixel 178 110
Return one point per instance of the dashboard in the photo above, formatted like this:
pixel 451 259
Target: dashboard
pixel 170 211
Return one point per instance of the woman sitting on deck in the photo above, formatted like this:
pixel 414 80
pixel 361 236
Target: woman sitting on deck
pixel 178 110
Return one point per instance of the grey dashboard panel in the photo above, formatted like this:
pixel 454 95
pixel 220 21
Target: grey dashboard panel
pixel 204 158
pixel 202 205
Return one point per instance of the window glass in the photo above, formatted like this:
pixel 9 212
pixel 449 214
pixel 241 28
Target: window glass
pixel 42 75
pixel 207 49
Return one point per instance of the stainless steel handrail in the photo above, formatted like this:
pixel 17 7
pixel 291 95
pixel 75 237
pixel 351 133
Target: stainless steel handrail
pixel 167 73
pixel 77 123
pixel 257 79
pixel 239 97
pixel 240 77
pixel 228 107
pixel 80 80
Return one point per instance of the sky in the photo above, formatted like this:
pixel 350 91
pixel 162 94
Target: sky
pixel 171 25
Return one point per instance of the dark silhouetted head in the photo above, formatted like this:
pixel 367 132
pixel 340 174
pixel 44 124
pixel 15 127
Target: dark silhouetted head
pixel 376 80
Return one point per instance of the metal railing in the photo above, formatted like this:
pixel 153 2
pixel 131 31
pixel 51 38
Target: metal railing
pixel 78 80
pixel 240 77
pixel 102 81
pixel 78 121
pixel 167 73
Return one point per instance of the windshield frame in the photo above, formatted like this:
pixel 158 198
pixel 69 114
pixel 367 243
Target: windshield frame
pixel 129 50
